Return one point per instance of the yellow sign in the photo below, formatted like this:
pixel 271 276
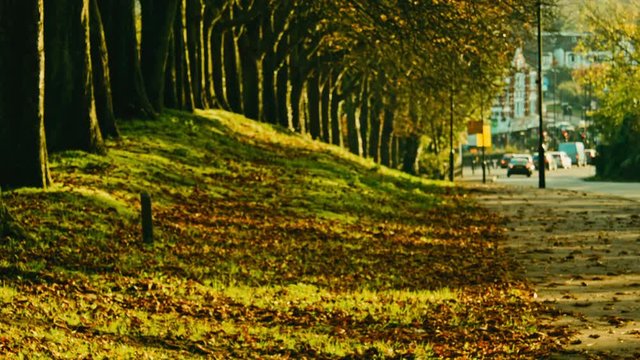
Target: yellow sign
pixel 484 139
pixel 477 140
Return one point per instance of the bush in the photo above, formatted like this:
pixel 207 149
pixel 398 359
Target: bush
pixel 621 159
pixel 433 166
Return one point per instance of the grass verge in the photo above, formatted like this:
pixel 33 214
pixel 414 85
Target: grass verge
pixel 268 245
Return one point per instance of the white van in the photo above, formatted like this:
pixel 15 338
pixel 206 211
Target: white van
pixel 575 150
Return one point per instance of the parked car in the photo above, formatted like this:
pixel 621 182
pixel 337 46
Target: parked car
pixel 561 158
pixel 504 162
pixel 520 165
pixel 575 150
pixel 549 162
pixel 590 154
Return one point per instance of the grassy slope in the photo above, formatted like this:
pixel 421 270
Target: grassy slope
pixel 268 245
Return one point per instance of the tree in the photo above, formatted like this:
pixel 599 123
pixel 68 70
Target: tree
pixel 70 112
pixel 275 23
pixel 464 46
pixel 313 98
pixel 350 94
pixel 216 54
pixel 157 21
pixel 325 103
pixel 334 111
pixel 193 12
pixel 615 31
pixel 249 51
pixel 386 137
pixel 179 92
pixel 230 59
pixel 23 151
pixel 127 85
pixel 210 16
pixel 364 118
pixel 100 73
pixel 282 83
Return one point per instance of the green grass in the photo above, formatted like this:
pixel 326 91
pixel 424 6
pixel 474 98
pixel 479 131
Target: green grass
pixel 267 245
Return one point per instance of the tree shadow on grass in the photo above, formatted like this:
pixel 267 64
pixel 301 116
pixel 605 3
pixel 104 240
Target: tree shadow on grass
pixel 302 190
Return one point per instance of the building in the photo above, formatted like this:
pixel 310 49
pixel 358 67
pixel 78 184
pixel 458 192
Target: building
pixel 563 52
pixel 514 114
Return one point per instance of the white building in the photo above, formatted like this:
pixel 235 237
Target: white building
pixel 563 52
pixel 515 109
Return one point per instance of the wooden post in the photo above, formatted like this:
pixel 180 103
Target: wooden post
pixel 147 219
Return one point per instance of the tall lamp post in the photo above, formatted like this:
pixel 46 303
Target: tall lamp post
pixel 451 151
pixel 484 163
pixel 541 165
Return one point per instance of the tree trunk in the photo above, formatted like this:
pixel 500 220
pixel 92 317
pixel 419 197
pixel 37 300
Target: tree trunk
pixel 269 104
pixel 325 102
pixel 194 44
pixel 336 123
pixel 157 19
pixel 374 131
pixel 282 92
pixel 250 73
pixel 395 152
pixel 296 79
pixel 304 114
pixel 283 68
pixel 353 127
pixel 411 153
pixel 23 151
pixel 209 14
pixel 170 78
pixel 70 112
pixel 234 96
pixel 364 117
pixel 387 134
pixel 294 99
pixel 184 93
pixel 127 86
pixel 101 78
pixel 217 66
pixel 313 98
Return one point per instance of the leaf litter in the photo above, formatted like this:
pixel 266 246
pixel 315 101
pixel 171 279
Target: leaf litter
pixel 264 249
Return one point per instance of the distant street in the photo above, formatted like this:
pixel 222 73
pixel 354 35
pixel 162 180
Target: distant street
pixel 570 179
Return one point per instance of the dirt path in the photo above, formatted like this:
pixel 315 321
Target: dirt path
pixel 582 253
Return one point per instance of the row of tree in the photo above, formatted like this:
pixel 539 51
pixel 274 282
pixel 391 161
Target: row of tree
pixel 614 84
pixel 376 76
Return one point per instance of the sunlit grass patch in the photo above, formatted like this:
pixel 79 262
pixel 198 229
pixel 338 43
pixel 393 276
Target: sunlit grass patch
pixel 7 294
pixel 397 307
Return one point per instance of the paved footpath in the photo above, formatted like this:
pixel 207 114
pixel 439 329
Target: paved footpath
pixel 582 253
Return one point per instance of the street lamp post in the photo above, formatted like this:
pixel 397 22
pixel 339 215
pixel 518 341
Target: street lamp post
pixel 541 166
pixel 484 176
pixel 555 91
pixel 451 151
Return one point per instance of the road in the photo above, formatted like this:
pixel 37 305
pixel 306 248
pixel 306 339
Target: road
pixel 570 179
